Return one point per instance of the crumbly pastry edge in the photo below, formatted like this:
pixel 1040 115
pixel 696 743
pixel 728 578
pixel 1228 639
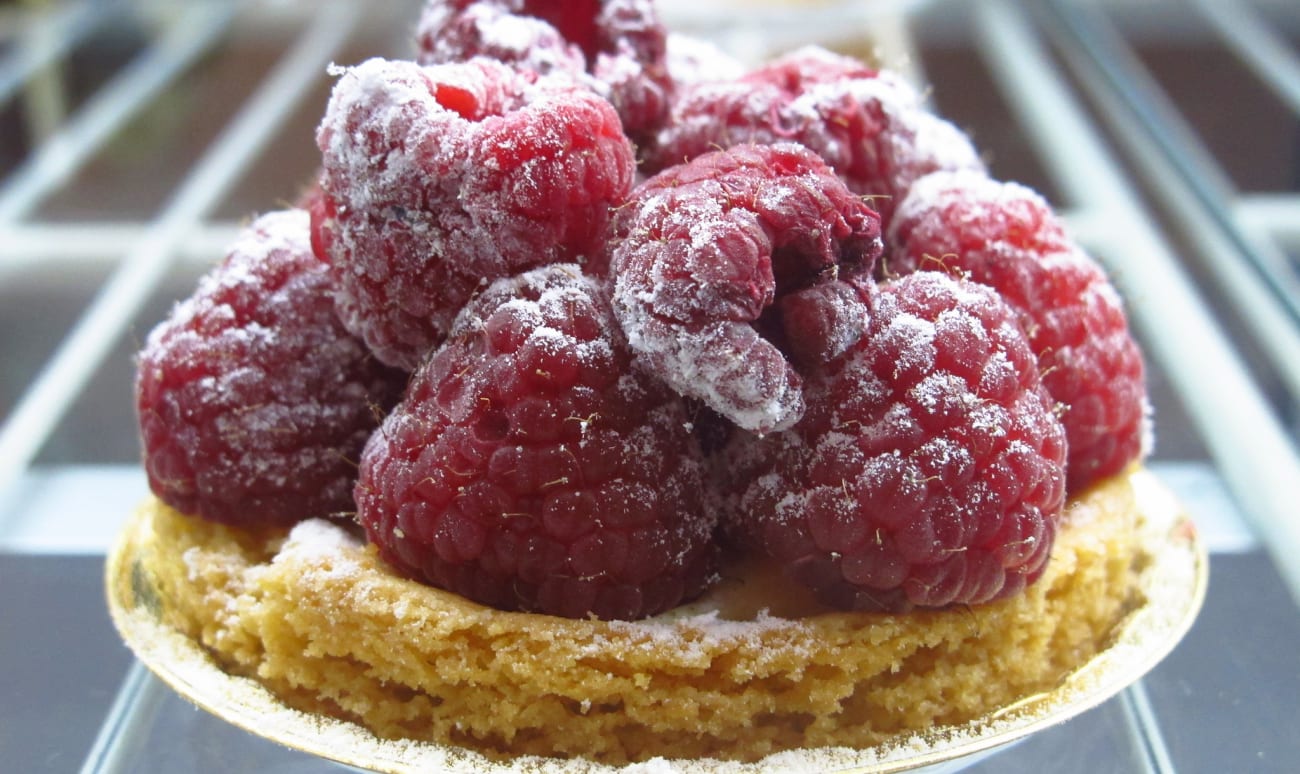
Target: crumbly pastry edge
pixel 1170 577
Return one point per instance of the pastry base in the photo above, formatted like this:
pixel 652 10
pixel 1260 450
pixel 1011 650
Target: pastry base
pixel 307 638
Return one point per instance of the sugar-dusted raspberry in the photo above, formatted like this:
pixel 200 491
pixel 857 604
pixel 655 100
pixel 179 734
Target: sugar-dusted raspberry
pixel 702 254
pixel 692 60
pixel 1006 236
pixel 253 400
pixel 530 467
pixel 456 30
pixel 929 468
pixel 438 179
pixel 964 221
pixel 615 47
pixel 871 127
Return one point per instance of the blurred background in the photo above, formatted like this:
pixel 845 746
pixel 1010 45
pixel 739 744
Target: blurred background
pixel 137 135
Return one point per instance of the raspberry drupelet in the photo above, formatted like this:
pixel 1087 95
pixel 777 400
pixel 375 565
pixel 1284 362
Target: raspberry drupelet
pixel 1006 236
pixel 725 268
pixel 531 467
pixel 929 468
pixel 439 179
pixel 617 48
pixel 870 126
pixel 254 402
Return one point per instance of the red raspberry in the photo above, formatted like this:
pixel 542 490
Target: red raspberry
pixel 436 180
pixel 1006 236
pixel 870 127
pixel 700 255
pixel 530 467
pixel 692 60
pixel 616 47
pixel 634 63
pixel 929 468
pixel 456 30
pixel 960 222
pixel 253 400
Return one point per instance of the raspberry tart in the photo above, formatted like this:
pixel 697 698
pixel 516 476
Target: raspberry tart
pixel 606 408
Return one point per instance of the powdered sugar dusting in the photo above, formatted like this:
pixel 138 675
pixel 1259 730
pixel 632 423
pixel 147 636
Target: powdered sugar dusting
pixel 314 538
pixel 693 60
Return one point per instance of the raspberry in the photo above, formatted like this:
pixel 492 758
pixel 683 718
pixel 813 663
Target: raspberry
pixel 436 180
pixel 702 254
pixel 692 60
pixel 1006 236
pixel 456 30
pixel 253 400
pixel 530 467
pixel 616 47
pixel 929 468
pixel 963 221
pixel 870 127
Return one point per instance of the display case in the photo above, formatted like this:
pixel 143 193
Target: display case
pixel 139 135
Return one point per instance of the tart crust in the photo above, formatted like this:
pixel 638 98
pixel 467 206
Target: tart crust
pixel 754 668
